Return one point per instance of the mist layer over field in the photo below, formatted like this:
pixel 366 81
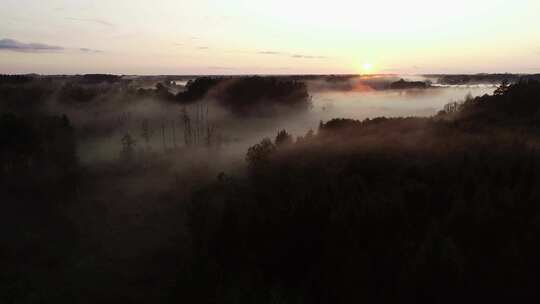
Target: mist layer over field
pixel 238 133
pixel 371 104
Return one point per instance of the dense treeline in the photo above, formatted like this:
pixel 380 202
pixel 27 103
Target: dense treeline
pixel 405 85
pixel 14 79
pixel 240 95
pixel 249 95
pixel 482 78
pixel 198 88
pixel 263 95
pixel 39 176
pixel 429 210
pixel 517 105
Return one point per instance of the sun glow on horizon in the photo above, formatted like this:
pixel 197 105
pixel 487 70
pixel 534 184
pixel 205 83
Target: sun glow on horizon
pixel 367 68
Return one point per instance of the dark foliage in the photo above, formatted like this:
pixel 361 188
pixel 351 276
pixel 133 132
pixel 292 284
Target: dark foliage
pixel 482 78
pixel 515 105
pixel 384 210
pixel 14 79
pixel 38 179
pixel 406 85
pixel 283 138
pixel 100 78
pixel 264 95
pixel 73 93
pixel 198 88
pixel 23 95
pixel 249 95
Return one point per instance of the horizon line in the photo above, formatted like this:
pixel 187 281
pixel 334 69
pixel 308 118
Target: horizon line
pixel 264 74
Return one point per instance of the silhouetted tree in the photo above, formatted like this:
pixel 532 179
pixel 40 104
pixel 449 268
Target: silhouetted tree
pixel 146 132
pixel 452 107
pixel 188 132
pixel 310 134
pixel 283 138
pixel 258 154
pixel 502 89
pixel 128 147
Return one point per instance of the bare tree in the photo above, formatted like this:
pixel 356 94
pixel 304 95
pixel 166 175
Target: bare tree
pixel 146 132
pixel 210 129
pixel 174 133
pixel 163 136
pixel 198 131
pixel 452 107
pixel 188 134
pixel 128 147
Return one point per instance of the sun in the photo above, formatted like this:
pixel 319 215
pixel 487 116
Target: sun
pixel 367 68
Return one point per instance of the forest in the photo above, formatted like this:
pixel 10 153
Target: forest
pixel 389 209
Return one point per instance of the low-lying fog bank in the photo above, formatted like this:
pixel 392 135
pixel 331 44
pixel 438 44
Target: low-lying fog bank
pixel 171 114
pixel 237 133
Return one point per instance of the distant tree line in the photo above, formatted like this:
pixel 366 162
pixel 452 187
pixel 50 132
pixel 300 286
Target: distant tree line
pixel 249 95
pixel 240 95
pixel 482 78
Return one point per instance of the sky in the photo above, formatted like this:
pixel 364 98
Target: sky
pixel 269 36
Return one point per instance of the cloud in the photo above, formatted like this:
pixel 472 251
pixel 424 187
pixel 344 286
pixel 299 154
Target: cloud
pixel 95 21
pixel 269 53
pixel 296 56
pixel 299 56
pixel 87 50
pixel 17 46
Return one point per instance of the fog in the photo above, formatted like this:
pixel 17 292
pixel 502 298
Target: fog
pixel 361 105
pixel 165 161
pixel 122 108
pixel 238 133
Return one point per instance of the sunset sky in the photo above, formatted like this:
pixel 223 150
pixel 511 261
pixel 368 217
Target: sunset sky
pixel 269 36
